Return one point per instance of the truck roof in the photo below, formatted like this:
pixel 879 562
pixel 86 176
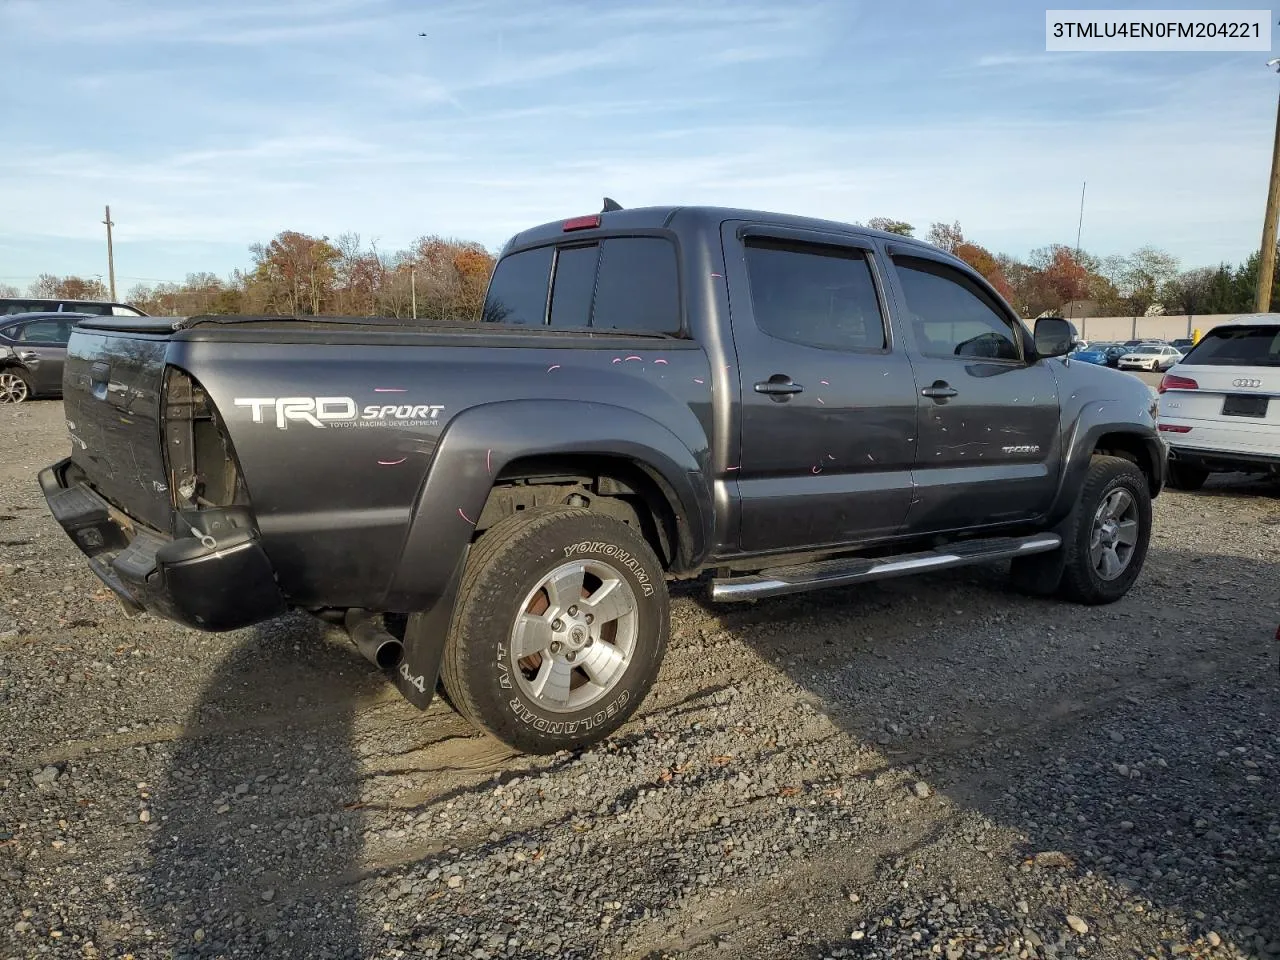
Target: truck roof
pixel 651 218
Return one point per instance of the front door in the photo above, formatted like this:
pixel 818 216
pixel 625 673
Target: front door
pixel 989 444
pixel 828 403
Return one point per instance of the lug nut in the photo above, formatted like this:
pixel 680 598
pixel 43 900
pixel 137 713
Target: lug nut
pixel 555 646
pixel 591 618
pixel 572 611
pixel 557 625
pixel 589 642
pixel 570 656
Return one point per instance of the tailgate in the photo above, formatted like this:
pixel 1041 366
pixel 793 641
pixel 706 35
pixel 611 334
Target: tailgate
pixel 1240 396
pixel 111 394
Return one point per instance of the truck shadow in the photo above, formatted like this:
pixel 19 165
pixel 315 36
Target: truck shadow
pixel 1112 740
pixel 1240 485
pixel 1107 737
pixel 259 834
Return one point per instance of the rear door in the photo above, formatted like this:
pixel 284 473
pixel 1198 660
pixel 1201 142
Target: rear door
pixel 989 444
pixel 828 404
pixel 1225 394
pixel 46 340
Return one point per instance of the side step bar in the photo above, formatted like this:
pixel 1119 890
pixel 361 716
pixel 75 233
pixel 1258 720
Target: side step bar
pixel 837 573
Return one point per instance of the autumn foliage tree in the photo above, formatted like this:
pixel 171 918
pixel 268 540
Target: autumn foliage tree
pixel 295 273
pixel 985 262
pixel 49 287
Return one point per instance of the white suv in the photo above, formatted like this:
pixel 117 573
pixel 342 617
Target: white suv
pixel 1220 407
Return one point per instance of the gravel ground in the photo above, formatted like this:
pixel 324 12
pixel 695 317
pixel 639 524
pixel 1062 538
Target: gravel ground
pixel 928 767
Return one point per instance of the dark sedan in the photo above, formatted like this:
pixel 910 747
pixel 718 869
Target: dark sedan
pixel 33 347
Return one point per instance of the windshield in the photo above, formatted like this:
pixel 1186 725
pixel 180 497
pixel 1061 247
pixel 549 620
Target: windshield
pixel 1243 346
pixel 1148 351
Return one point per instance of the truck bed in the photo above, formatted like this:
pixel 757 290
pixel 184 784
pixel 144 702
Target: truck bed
pixel 333 446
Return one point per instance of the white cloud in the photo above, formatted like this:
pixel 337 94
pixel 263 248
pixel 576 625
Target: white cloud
pixel 505 116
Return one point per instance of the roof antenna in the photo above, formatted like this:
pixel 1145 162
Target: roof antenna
pixel 611 205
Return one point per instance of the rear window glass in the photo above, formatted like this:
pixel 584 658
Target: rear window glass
pixel 574 286
pixel 638 287
pixel 518 290
pixel 619 283
pixel 1243 346
pixel 27 306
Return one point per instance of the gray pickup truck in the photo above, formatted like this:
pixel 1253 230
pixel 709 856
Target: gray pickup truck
pixel 770 403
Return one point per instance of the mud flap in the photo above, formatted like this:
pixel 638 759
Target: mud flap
pixel 424 637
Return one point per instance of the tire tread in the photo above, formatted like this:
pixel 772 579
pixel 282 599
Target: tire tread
pixel 518 539
pixel 1077 584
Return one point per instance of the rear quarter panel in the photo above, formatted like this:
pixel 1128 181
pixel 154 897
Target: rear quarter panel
pixel 334 500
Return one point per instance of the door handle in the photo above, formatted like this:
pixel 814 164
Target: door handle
pixel 29 354
pixel 779 386
pixel 940 390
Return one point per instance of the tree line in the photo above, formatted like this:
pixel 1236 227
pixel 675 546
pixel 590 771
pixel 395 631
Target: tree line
pixel 298 274
pixel 1148 281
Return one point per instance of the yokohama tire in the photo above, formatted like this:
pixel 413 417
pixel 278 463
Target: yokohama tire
pixel 1110 482
pixel 532 581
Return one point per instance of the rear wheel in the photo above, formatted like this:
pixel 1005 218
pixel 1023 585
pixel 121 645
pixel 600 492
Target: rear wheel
pixel 15 386
pixel 561 625
pixel 1183 476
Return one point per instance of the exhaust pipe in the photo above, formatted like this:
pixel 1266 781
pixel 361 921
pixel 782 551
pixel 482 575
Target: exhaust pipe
pixel 372 640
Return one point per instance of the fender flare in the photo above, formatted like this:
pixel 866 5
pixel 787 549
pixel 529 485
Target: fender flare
pixel 474 449
pixel 1097 419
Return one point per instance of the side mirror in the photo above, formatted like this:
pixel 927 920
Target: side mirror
pixel 1054 337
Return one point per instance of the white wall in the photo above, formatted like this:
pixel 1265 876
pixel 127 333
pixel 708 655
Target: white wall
pixel 1135 328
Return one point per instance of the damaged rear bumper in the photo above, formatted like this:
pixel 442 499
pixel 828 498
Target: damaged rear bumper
pixel 203 583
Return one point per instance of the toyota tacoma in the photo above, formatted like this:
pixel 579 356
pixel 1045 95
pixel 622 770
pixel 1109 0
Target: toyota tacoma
pixel 767 403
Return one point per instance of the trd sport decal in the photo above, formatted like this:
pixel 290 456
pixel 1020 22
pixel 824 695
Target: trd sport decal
pixel 340 412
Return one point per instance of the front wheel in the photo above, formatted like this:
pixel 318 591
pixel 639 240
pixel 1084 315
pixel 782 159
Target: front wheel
pixel 560 627
pixel 1105 541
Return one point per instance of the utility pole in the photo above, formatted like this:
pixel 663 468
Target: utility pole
pixel 1080 222
pixel 1267 256
pixel 111 257
pixel 413 289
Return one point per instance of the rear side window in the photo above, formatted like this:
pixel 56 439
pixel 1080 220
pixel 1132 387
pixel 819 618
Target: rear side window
pixel 518 290
pixel 814 295
pixel 12 307
pixel 638 286
pixel 44 331
pixel 1242 346
pixel 953 317
pixel 574 286
pixel 619 283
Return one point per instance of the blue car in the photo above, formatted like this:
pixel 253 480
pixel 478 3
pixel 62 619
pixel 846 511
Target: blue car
pixel 1103 354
